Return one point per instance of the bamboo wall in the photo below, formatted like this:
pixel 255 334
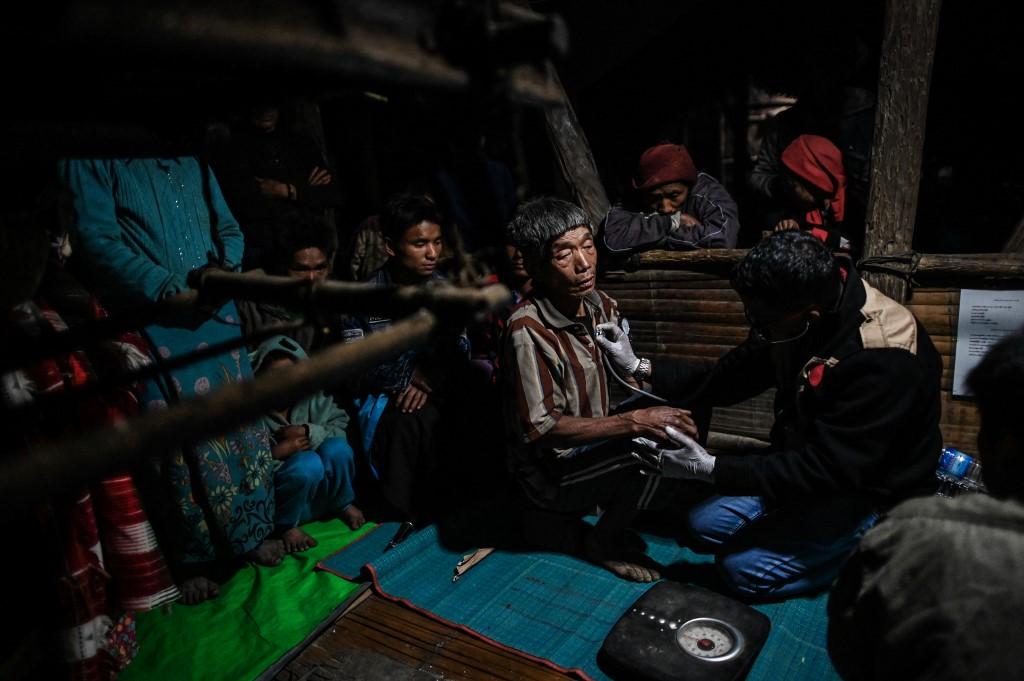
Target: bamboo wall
pixel 695 315
pixel 939 312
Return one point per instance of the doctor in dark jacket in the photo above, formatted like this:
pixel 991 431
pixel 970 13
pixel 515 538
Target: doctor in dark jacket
pixel 856 418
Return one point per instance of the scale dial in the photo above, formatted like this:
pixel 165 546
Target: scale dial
pixel 709 639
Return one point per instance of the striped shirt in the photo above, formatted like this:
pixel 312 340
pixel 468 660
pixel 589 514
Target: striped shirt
pixel 553 368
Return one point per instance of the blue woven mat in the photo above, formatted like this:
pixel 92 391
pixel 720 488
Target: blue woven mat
pixel 558 608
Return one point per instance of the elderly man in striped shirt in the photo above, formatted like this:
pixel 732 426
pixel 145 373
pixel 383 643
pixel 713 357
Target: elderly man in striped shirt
pixel 568 453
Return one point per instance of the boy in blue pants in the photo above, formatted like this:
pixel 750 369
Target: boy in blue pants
pixel 314 464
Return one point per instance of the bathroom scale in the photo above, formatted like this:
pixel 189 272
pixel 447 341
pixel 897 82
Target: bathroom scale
pixel 677 631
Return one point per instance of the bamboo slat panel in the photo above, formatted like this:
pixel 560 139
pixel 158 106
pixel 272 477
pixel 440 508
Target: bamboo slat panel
pixel 697 316
pixel 939 311
pixel 381 639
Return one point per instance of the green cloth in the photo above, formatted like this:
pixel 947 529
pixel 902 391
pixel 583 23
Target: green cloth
pixel 260 614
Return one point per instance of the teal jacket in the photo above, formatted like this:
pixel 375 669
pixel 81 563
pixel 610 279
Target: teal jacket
pixel 145 223
pixel 318 412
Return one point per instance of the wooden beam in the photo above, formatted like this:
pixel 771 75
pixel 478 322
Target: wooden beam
pixel 300 47
pixel 574 156
pixel 975 265
pixel 57 468
pixel 979 265
pixel 714 259
pixel 908 51
pixel 301 295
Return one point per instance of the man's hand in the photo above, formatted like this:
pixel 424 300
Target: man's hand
pixel 286 448
pixel 272 189
pixel 614 341
pixel 786 225
pixel 415 395
pixel 194 278
pixel 319 176
pixel 411 399
pixel 654 422
pixel 688 461
pixel 688 221
pixel 419 379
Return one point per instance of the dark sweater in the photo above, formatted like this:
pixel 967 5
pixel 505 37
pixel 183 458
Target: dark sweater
pixel 282 156
pixel 624 231
pixel 868 426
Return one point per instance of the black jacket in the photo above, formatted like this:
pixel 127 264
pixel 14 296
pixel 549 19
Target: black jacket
pixel 855 414
pixel 624 231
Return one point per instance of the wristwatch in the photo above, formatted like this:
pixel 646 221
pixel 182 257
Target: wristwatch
pixel 643 370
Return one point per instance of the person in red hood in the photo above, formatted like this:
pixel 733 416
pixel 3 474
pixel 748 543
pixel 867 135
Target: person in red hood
pixel 815 190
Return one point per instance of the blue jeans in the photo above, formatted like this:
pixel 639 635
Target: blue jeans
pixel 778 553
pixel 312 484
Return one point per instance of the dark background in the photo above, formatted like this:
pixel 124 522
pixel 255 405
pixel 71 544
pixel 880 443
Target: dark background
pixel 637 74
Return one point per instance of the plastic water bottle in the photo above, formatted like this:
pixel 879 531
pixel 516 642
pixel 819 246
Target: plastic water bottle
pixel 958 473
pixel 971 481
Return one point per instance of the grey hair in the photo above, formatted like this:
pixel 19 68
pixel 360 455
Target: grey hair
pixel 537 223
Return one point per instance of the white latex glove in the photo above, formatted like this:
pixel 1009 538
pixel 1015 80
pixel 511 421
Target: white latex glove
pixel 614 341
pixel 690 461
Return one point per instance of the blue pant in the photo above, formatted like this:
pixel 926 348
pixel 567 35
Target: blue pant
pixel 778 553
pixel 310 485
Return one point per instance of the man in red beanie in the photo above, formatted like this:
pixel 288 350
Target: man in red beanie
pixel 688 209
pixel 814 187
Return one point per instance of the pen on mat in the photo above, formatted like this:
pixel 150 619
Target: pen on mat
pixel 404 530
pixel 468 561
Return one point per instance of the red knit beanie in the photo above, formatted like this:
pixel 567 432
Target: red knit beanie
pixel 662 164
pixel 818 161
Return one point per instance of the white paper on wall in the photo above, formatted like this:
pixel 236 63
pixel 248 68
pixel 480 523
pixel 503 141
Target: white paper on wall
pixel 985 317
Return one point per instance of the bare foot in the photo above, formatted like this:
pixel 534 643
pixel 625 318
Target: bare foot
pixel 198 589
pixel 634 572
pixel 269 553
pixel 296 540
pixel 614 558
pixel 353 517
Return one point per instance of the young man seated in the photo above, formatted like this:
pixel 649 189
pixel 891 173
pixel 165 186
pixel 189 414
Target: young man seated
pixel 568 453
pixel 679 208
pixel 400 401
pixel 302 251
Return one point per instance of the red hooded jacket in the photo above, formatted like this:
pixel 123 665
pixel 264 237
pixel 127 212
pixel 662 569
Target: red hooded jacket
pixel 819 162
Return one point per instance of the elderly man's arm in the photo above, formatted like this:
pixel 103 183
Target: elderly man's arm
pixel 540 403
pixel 573 431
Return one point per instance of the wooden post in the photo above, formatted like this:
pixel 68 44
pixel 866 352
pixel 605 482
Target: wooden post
pixel 908 51
pixel 1015 244
pixel 574 157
